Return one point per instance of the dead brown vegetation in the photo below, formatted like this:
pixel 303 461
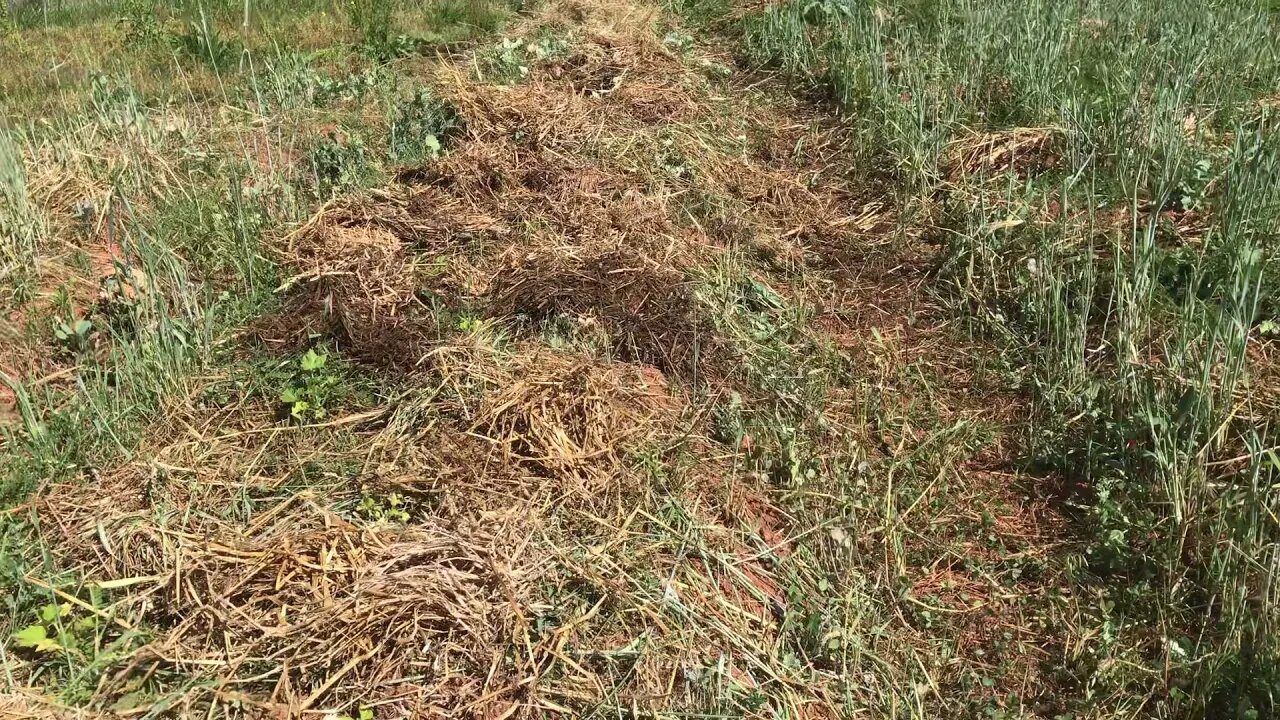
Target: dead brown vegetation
pixel 524 493
pixel 16 706
pixel 1024 151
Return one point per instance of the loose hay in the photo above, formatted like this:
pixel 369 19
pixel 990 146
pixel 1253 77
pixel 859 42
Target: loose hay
pixel 15 706
pixel 1025 151
pixel 337 611
pixel 643 303
pixel 574 420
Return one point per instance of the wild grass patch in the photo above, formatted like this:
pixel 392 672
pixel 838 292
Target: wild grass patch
pixel 1092 178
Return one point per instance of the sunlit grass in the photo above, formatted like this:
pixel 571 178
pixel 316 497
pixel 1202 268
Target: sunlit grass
pixel 1126 259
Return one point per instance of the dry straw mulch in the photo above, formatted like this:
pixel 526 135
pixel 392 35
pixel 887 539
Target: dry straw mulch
pixel 587 194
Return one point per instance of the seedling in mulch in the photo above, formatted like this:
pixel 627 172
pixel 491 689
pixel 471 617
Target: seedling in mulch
pixel 679 41
pixel 339 165
pixel 312 390
pixel 58 631
pixel 467 323
pixel 383 508
pixel 509 61
pixel 423 126
pixel 69 640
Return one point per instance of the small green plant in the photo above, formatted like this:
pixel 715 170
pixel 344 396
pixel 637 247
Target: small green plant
pixel 75 336
pixel 509 61
pixel 313 388
pixel 202 43
pixel 679 41
pixel 57 631
pixel 383 508
pixel 142 28
pixel 1191 194
pixel 467 323
pixel 339 165
pixel 423 124
pixel 403 45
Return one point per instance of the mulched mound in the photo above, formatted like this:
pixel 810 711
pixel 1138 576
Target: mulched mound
pixel 570 199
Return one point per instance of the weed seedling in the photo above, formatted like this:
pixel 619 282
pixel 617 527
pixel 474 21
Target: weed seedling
pixel 75 336
pixel 58 631
pixel 382 508
pixel 678 41
pixel 423 124
pixel 312 390
pixel 339 165
pixel 509 61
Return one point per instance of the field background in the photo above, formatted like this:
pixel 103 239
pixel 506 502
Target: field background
pixel 535 358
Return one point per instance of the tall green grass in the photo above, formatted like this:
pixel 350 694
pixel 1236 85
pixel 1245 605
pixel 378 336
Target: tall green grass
pixel 19 223
pixel 1127 262
pixel 62 13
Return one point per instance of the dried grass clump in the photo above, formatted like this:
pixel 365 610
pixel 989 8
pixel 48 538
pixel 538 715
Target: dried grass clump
pixel 573 419
pixel 364 265
pixel 338 611
pixel 617 55
pixel 16 706
pixel 361 285
pixel 643 302
pixel 525 424
pixel 1024 151
pixel 544 194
